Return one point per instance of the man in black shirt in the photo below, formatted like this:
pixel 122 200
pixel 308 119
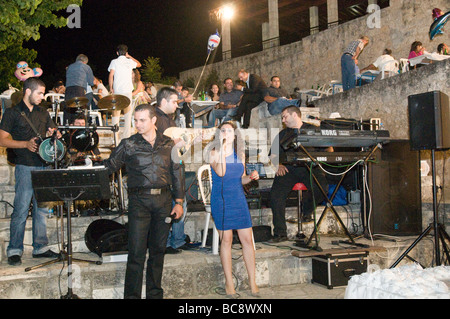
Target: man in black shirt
pixel 17 134
pixel 154 176
pixel 288 175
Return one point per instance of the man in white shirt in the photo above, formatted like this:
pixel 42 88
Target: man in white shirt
pixel 389 68
pixel 120 82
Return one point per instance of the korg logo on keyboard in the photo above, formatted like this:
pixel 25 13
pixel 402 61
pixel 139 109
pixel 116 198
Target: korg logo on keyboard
pixel 329 133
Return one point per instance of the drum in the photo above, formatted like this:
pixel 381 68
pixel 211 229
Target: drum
pixel 47 150
pixel 82 140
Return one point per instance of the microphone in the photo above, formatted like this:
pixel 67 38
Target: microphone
pixel 169 219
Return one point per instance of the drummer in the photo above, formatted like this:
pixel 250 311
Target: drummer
pixel 78 156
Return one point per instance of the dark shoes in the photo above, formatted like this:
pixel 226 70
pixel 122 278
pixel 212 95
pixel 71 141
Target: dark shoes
pixel 47 254
pixel 277 239
pixel 172 251
pixel 15 260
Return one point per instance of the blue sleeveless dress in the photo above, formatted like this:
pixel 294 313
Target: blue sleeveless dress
pixel 229 207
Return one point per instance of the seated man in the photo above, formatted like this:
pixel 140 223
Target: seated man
pixel 288 175
pixel 228 102
pixel 376 66
pixel 253 95
pixel 277 97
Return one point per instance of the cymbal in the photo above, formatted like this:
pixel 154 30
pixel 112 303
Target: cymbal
pixel 114 101
pixel 77 102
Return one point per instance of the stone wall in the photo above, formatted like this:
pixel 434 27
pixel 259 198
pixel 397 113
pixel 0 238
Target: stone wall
pixel 316 58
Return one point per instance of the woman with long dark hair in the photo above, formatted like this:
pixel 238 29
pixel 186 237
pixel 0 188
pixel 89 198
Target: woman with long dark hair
pixel 229 206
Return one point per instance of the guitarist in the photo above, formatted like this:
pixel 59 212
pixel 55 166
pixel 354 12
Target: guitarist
pixel 18 133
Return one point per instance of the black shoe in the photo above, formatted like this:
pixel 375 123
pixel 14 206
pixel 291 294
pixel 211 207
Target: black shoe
pixel 277 239
pixel 172 251
pixel 14 260
pixel 186 247
pixel 306 219
pixel 47 254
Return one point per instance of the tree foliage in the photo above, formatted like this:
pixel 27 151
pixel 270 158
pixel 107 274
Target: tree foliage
pixel 151 70
pixel 20 20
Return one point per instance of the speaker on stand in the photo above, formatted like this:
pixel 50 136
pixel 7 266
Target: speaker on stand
pixel 429 119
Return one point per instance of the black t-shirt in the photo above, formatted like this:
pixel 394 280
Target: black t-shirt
pixel 19 128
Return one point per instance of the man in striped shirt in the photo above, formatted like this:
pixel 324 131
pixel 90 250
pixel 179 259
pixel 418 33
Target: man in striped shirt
pixel 349 60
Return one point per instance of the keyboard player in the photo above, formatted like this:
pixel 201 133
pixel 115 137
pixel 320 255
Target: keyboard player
pixel 288 175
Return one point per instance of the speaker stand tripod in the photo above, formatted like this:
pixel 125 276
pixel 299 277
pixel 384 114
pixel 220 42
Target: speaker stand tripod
pixel 440 235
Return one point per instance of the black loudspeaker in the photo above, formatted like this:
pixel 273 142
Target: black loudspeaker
pixel 395 189
pixel 429 121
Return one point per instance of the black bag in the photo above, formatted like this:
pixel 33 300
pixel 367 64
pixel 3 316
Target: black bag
pixel 106 236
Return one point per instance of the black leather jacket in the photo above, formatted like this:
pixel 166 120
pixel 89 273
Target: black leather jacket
pixel 149 167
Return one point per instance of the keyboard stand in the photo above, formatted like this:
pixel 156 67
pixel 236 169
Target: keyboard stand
pixel 329 200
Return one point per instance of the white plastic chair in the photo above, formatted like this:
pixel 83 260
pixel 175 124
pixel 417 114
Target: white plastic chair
pixel 389 72
pixel 404 65
pixel 205 185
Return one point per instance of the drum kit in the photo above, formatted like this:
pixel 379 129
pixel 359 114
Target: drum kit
pixel 82 138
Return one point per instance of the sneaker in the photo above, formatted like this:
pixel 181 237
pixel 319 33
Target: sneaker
pixel 15 260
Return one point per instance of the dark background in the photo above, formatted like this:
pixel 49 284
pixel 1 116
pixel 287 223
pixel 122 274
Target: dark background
pixel 177 32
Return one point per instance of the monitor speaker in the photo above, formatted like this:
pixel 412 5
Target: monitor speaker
pixel 395 189
pixel 429 121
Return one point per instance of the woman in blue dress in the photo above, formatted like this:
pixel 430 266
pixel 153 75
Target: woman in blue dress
pixel 229 206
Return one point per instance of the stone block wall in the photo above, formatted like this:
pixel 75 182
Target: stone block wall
pixel 316 59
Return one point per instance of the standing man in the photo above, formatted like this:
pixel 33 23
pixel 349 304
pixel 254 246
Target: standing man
pixel 79 76
pixel 278 98
pixel 349 61
pixel 121 82
pixel 253 95
pixel 167 103
pixel 228 103
pixel 17 134
pixel 155 176
pixel 289 175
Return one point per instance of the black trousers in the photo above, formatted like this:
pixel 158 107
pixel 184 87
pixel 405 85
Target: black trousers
pixel 282 186
pixel 248 103
pixel 147 229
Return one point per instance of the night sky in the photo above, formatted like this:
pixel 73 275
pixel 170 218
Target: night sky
pixel 177 32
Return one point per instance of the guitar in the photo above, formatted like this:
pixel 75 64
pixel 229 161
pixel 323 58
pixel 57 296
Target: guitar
pixel 190 136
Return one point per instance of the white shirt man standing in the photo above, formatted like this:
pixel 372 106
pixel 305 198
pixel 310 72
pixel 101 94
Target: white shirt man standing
pixel 120 82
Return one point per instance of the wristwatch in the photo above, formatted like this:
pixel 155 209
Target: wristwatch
pixel 179 203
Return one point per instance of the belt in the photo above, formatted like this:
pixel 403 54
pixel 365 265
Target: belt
pixel 148 190
pixel 346 53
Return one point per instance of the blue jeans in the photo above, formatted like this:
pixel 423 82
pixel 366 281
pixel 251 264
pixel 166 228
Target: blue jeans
pixel 24 196
pixel 348 72
pixel 177 236
pixel 221 114
pixel 279 104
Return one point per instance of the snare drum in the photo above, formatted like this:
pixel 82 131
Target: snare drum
pixel 47 150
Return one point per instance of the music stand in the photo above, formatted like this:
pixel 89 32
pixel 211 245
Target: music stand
pixel 69 185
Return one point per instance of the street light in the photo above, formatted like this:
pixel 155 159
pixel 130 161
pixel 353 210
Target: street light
pixel 228 12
